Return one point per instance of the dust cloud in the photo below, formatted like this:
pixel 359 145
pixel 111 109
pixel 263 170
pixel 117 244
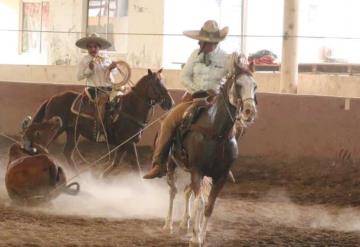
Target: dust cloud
pixel 278 208
pixel 127 196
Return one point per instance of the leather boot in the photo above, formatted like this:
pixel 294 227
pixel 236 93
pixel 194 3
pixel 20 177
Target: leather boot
pixel 160 158
pixel 164 141
pixel 155 172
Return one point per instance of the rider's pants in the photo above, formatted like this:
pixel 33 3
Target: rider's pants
pixel 167 129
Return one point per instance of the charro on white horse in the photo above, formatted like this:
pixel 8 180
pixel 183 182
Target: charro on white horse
pixel 206 148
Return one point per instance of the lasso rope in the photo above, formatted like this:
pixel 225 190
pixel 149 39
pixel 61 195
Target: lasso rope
pixel 10 138
pixel 92 164
pixel 76 139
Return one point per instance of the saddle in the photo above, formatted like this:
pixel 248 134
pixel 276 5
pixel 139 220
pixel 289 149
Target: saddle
pixel 190 117
pixel 85 104
pixel 202 100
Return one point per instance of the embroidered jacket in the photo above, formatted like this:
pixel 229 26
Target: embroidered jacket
pixel 98 77
pixel 203 73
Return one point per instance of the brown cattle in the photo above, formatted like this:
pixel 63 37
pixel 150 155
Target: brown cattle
pixel 31 176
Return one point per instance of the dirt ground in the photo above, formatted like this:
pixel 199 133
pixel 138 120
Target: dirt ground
pixel 277 204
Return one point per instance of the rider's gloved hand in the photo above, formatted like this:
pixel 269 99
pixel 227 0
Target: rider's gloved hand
pixel 112 66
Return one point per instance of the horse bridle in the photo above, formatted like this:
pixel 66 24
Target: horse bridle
pixel 240 102
pixel 160 96
pixel 151 102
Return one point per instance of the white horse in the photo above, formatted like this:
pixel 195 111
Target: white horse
pixel 211 150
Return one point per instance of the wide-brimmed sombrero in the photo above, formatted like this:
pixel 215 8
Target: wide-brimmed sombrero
pixel 209 32
pixel 93 38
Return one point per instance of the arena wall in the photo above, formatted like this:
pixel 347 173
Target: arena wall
pixel 309 83
pixel 288 127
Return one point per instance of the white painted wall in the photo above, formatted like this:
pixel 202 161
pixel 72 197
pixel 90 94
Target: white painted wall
pixel 10 40
pixel 67 21
pixel 65 16
pixel 145 17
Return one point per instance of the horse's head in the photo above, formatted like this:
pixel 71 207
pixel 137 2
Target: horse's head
pixel 242 91
pixel 153 87
pixel 41 133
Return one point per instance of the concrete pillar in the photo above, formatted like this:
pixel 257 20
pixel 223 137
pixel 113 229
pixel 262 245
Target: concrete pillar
pixel 289 61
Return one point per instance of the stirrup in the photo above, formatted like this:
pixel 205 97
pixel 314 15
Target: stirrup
pixel 155 172
pixel 100 137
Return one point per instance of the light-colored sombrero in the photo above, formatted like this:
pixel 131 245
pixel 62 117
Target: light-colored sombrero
pixel 93 38
pixel 209 32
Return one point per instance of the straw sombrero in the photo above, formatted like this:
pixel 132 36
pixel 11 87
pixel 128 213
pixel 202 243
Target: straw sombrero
pixel 209 32
pixel 93 38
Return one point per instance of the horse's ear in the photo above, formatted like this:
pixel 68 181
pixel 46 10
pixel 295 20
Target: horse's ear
pixel 252 66
pixel 160 70
pixel 150 72
pixel 235 59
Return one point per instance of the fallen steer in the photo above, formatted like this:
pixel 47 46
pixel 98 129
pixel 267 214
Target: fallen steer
pixel 32 177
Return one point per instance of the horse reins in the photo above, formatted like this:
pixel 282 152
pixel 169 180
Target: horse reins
pixel 240 103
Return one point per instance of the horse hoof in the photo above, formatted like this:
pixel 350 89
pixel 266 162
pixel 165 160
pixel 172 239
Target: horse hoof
pixel 193 244
pixel 183 229
pixel 167 229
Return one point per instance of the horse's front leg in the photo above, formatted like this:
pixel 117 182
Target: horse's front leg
pixel 185 221
pixel 218 184
pixel 68 151
pixel 118 159
pixel 172 193
pixel 198 206
pixel 134 158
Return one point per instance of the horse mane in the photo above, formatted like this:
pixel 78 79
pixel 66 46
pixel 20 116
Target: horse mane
pixel 224 87
pixel 146 77
pixel 140 82
pixel 137 87
pixel 239 70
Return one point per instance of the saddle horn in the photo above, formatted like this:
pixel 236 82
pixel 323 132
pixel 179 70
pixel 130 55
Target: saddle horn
pixel 26 123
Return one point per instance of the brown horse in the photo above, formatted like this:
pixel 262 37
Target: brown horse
pixel 209 149
pixel 130 115
pixel 31 176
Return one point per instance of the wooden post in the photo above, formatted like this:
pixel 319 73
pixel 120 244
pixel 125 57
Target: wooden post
pixel 289 62
pixel 244 11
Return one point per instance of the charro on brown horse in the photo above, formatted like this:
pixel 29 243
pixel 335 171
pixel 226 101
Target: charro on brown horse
pixel 31 176
pixel 207 148
pixel 128 117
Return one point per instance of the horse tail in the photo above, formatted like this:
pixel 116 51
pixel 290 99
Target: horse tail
pixel 40 113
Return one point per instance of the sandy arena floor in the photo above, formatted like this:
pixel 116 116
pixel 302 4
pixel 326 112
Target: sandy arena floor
pixel 306 204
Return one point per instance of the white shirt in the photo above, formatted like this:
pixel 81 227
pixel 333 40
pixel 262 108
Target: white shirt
pixel 97 77
pixel 197 76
